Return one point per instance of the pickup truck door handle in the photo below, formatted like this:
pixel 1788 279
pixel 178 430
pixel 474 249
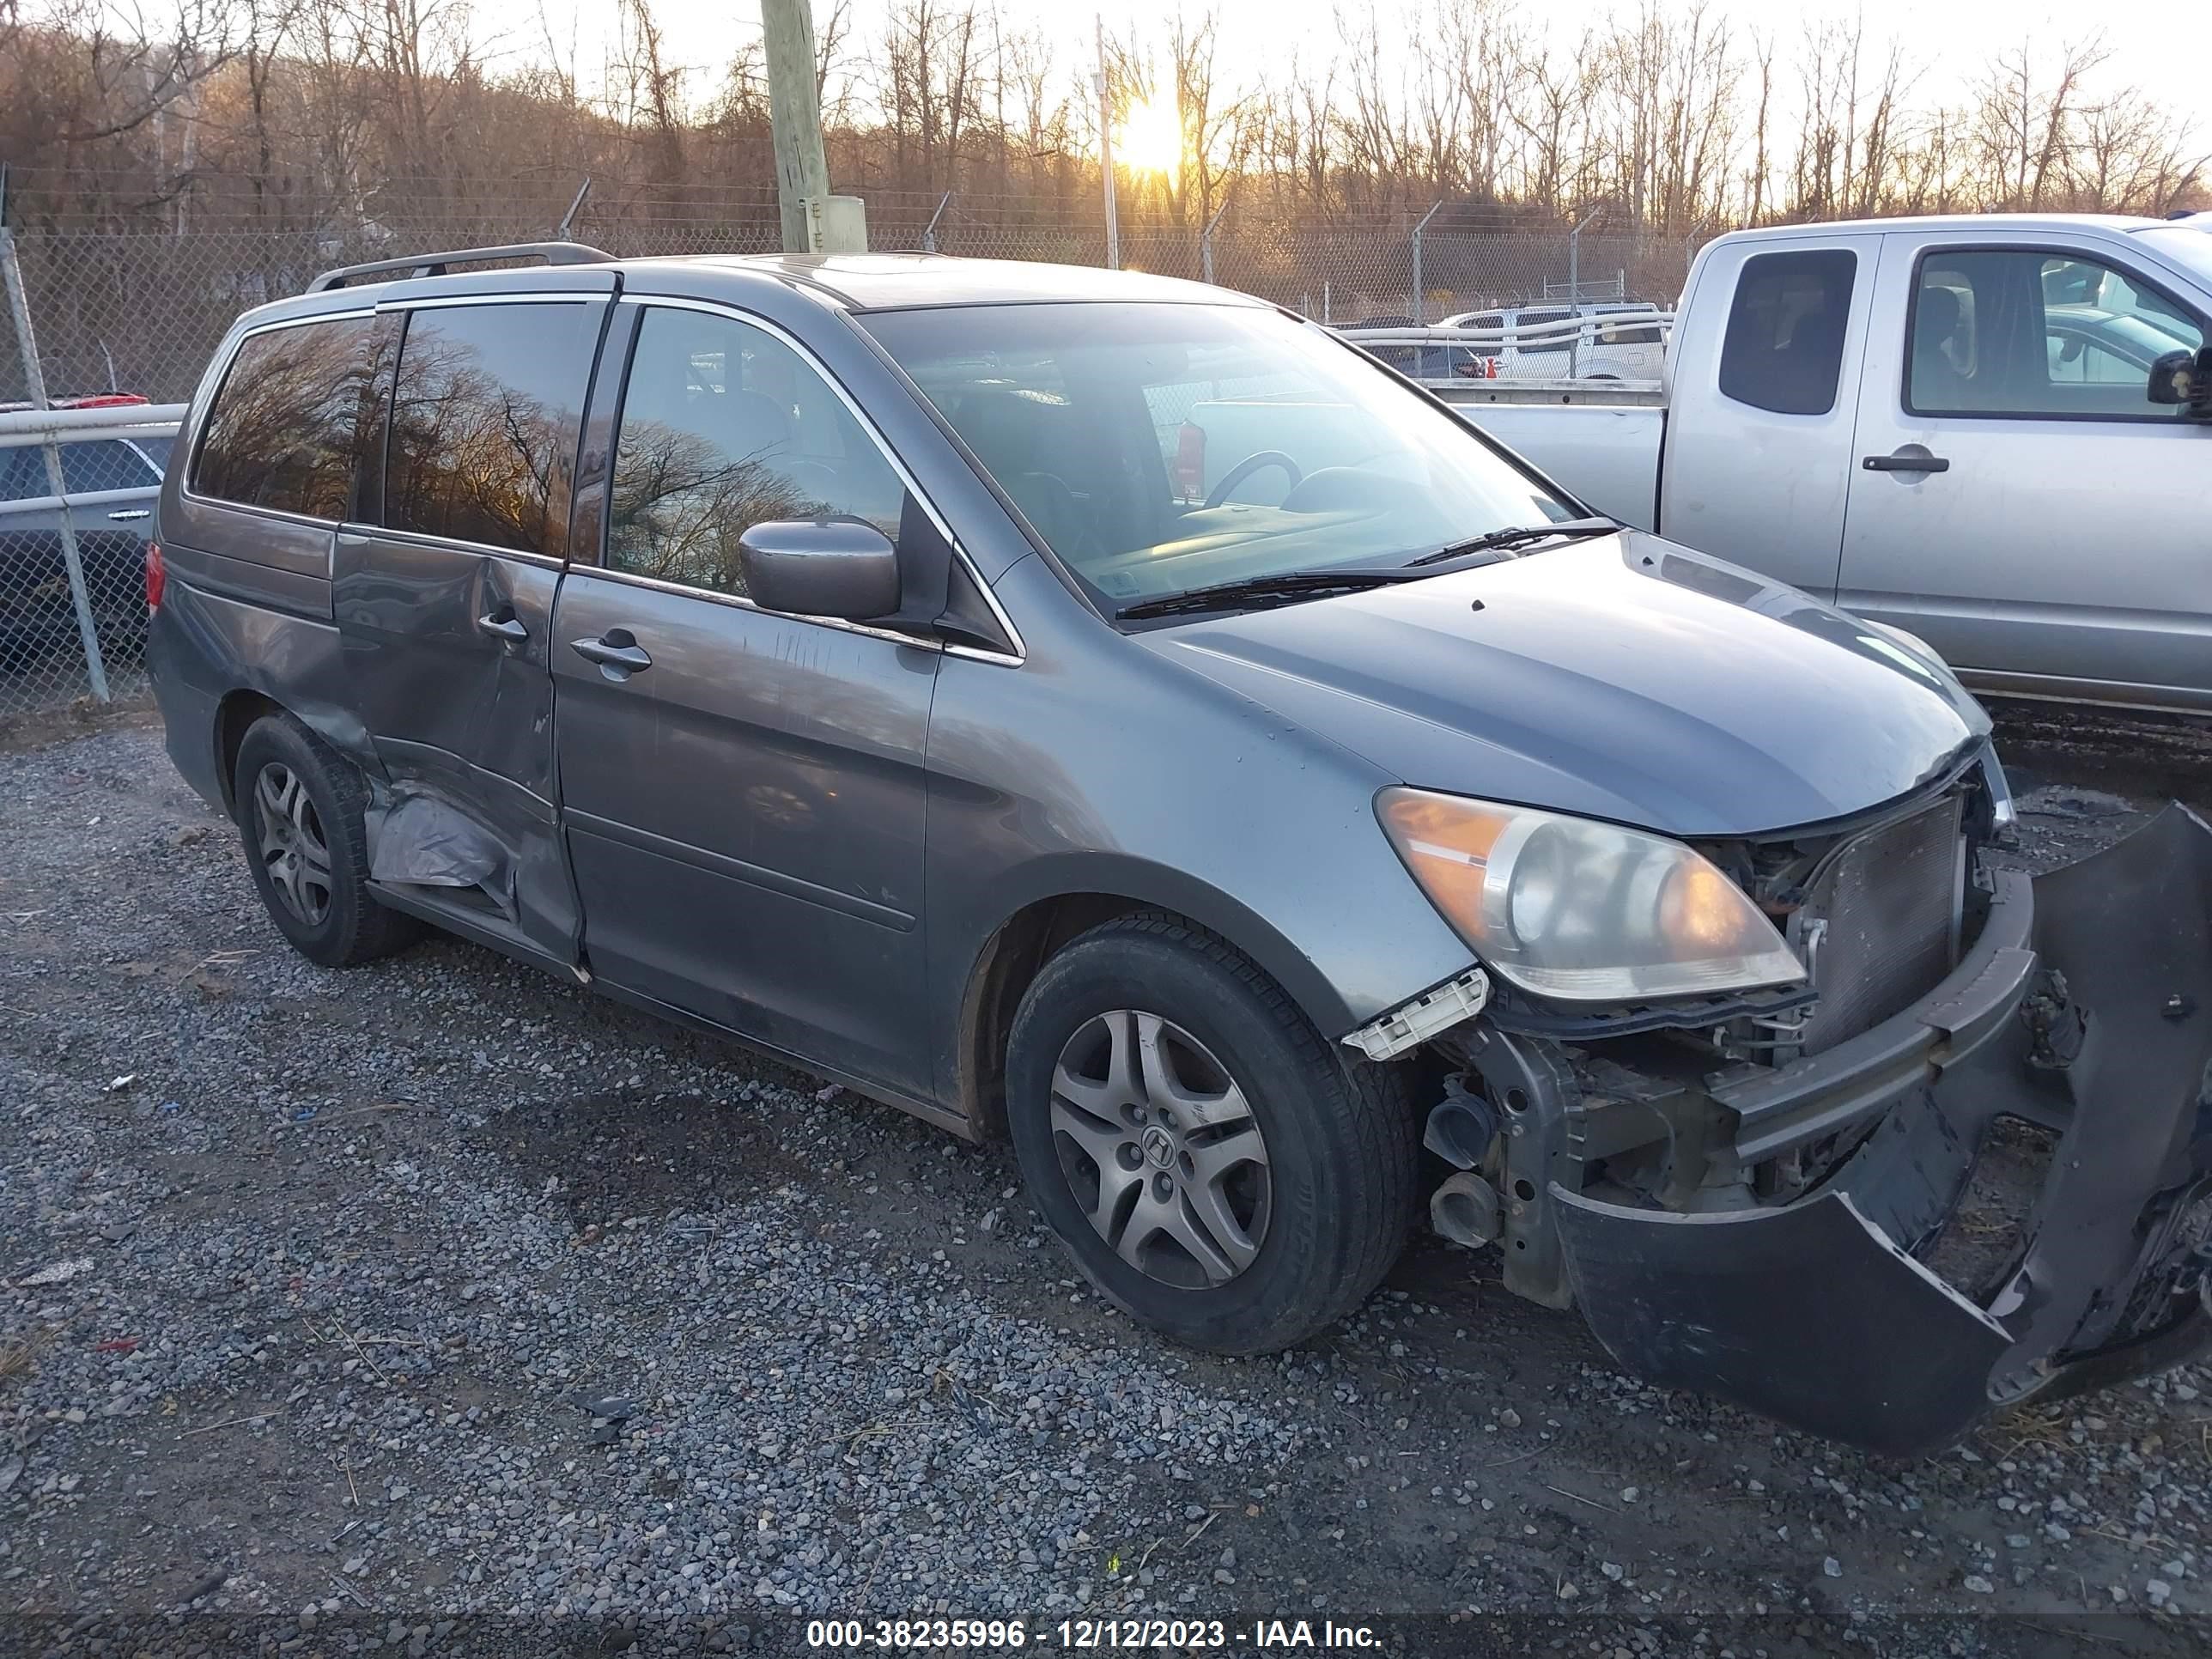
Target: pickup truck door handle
pixel 508 627
pixel 129 514
pixel 1911 458
pixel 617 654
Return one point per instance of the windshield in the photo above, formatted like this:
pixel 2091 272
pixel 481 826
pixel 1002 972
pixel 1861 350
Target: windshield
pixel 1159 448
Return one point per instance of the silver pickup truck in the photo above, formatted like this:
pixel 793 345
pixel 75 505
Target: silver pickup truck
pixel 1992 431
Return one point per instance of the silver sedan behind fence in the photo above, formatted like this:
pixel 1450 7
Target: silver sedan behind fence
pixel 73 559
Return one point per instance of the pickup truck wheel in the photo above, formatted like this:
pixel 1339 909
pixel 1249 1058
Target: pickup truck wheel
pixel 300 812
pixel 1214 1168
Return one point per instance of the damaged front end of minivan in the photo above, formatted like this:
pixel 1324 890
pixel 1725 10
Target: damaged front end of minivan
pixel 1961 1160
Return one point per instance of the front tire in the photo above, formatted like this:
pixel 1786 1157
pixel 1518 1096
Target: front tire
pixel 1212 1165
pixel 299 811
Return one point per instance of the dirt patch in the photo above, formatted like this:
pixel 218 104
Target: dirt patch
pixel 1987 1235
pixel 38 727
pixel 624 1155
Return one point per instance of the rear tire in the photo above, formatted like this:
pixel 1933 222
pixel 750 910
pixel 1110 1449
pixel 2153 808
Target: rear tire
pixel 1157 1083
pixel 300 812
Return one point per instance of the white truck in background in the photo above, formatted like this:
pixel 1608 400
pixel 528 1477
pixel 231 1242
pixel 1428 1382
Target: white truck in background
pixel 1592 340
pixel 1549 343
pixel 1992 431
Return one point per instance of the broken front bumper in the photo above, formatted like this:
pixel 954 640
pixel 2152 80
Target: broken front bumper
pixel 2085 1006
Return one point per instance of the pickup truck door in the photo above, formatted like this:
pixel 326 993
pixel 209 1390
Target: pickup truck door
pixel 2015 498
pixel 1759 441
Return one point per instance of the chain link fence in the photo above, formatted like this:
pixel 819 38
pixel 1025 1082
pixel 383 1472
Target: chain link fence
pixel 142 311
pixel 73 565
pixel 139 312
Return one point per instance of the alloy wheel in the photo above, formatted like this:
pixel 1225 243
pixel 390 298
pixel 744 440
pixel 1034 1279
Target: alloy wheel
pixel 1160 1149
pixel 293 849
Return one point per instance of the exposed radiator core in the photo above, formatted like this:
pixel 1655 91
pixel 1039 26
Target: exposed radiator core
pixel 1887 911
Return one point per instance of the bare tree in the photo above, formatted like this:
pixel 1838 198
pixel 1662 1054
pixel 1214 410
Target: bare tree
pixel 346 116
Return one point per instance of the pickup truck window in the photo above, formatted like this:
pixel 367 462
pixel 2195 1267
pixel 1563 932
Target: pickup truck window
pixel 1784 350
pixel 1157 448
pixel 2025 333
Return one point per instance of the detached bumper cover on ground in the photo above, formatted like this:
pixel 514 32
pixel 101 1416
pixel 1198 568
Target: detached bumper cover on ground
pixel 2086 1007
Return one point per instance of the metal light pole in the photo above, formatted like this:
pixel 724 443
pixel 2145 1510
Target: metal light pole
pixel 1106 156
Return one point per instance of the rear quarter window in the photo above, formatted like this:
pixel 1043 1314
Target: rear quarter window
pixel 1784 350
pixel 281 432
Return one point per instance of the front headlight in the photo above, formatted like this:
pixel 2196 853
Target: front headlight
pixel 1581 911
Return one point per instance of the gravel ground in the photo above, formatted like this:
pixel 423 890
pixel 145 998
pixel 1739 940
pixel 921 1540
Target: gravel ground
pixel 399 1307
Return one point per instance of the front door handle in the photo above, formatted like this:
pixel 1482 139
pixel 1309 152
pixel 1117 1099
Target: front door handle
pixel 507 628
pixel 617 652
pixel 131 514
pixel 1911 458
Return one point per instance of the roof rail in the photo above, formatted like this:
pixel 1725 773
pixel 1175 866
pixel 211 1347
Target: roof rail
pixel 436 265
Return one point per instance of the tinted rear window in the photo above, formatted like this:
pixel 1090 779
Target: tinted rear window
pixel 483 419
pixel 281 432
pixel 1784 350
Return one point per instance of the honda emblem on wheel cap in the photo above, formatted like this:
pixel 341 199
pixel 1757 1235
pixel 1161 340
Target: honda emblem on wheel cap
pixel 1159 1146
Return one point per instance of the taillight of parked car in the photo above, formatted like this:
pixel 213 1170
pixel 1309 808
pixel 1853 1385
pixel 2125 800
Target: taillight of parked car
pixel 157 577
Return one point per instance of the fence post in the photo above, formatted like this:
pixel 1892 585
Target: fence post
pixel 19 306
pixel 1419 302
pixel 1205 244
pixel 1575 254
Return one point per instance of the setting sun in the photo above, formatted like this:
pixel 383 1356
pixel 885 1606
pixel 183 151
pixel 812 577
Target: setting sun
pixel 1151 137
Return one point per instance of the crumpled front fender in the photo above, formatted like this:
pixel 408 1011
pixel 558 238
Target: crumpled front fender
pixel 2086 1008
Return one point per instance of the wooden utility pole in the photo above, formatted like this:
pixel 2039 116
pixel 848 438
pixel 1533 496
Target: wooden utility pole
pixel 1106 151
pixel 794 106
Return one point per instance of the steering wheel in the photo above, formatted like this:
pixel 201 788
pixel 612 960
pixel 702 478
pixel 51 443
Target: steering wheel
pixel 1245 468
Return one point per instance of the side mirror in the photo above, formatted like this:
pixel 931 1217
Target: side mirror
pixel 839 568
pixel 2185 378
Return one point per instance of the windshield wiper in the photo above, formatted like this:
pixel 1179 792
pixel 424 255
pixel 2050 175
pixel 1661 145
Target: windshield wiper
pixel 1262 590
pixel 1519 535
pixel 1292 585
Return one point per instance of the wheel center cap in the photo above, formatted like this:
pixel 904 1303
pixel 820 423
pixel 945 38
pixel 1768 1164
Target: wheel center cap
pixel 1159 1146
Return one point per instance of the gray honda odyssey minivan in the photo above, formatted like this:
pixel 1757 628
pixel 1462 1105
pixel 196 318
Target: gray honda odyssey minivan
pixel 1115 714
